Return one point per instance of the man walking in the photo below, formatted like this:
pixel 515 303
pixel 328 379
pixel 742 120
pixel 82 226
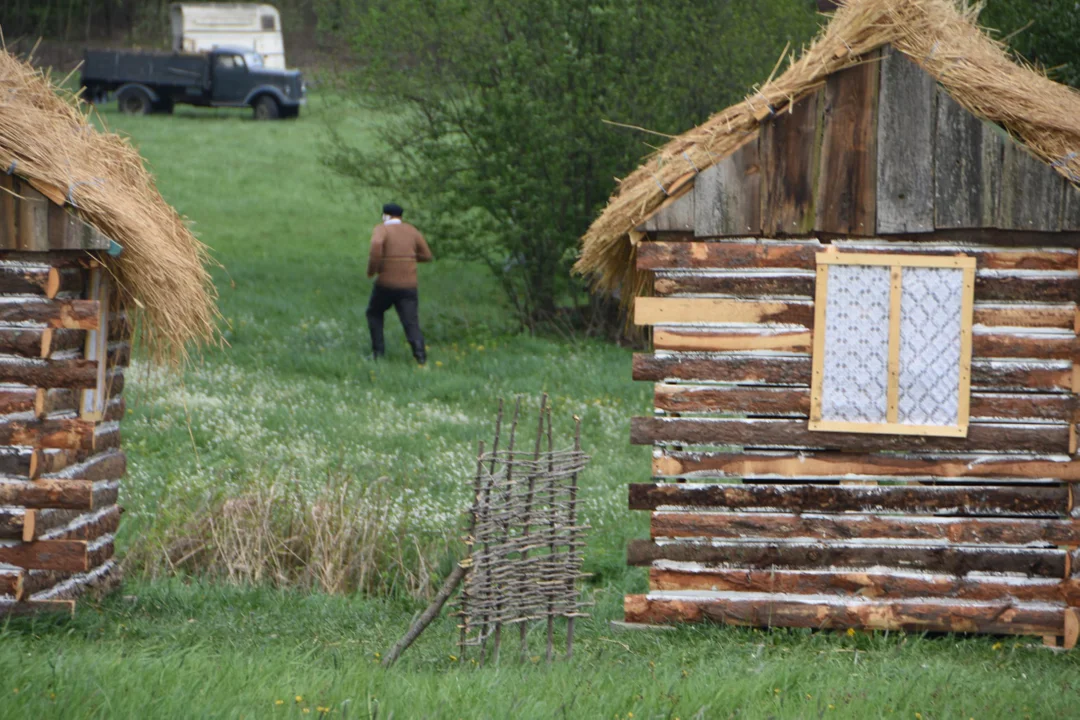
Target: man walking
pixel 396 247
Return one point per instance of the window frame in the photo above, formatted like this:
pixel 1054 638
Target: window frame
pixel 896 262
pixel 92 401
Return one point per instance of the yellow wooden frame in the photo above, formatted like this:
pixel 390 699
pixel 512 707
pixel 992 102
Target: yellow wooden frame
pixel 92 401
pixel 896 263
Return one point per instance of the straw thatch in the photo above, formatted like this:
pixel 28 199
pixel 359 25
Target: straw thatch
pixel 940 35
pixel 46 138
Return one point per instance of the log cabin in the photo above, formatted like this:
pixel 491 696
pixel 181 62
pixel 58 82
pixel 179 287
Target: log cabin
pixel 861 284
pixel 88 250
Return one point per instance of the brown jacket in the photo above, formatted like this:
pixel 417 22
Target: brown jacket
pixel 395 250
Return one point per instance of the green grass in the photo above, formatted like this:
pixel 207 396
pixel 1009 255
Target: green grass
pixel 293 399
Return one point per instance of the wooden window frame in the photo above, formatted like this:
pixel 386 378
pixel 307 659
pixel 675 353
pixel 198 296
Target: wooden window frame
pixel 896 263
pixel 93 400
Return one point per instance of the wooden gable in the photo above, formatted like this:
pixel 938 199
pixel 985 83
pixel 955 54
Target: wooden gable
pixel 880 150
pixel 31 221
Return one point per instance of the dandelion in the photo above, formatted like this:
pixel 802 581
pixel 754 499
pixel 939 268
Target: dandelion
pixel 831 706
pixel 918 716
pixel 479 348
pixel 307 711
pixel 299 699
pixel 996 646
pixel 279 702
pixel 851 632
pixel 809 696
pixel 322 709
pixel 453 658
pixel 438 363
pixel 776 691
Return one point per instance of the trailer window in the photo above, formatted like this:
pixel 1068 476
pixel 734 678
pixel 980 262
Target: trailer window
pixel 268 22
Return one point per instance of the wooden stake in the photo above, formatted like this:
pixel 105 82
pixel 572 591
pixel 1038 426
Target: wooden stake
pixel 472 529
pixel 523 627
pixel 506 528
pixel 484 507
pixel 573 523
pixel 551 548
pixel 430 614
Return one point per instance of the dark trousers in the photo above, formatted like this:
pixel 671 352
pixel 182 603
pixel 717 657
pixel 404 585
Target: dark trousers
pixel 407 304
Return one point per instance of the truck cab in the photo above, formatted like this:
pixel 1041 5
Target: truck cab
pixel 239 78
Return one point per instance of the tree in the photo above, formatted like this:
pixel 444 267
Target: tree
pixel 495 132
pixel 1046 32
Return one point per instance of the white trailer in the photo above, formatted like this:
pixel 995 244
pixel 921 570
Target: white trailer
pixel 201 27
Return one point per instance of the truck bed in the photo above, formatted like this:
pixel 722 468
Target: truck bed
pixel 114 67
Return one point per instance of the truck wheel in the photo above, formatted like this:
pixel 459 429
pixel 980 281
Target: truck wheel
pixel 267 108
pixel 134 101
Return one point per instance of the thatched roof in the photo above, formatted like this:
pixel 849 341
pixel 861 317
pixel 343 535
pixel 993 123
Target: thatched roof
pixel 46 139
pixel 939 35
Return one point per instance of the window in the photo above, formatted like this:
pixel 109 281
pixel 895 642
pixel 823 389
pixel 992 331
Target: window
pixel 228 62
pixel 94 399
pixel 892 344
pixel 267 22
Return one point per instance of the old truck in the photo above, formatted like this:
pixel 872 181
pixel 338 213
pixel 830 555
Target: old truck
pixel 150 81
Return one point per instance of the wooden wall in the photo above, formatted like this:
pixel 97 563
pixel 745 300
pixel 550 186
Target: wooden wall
pixel 880 150
pixel 59 472
pixel 757 520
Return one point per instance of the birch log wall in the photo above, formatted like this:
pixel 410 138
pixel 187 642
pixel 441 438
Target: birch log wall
pixel 62 356
pixel 759 520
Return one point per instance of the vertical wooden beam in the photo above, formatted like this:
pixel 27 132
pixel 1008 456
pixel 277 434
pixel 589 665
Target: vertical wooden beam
pixel 817 360
pixel 967 311
pixel 994 140
pixel 892 408
pixel 789 150
pixel 727 196
pixel 847 184
pixel 905 146
pixel 1070 212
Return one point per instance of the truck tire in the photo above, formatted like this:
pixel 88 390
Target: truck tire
pixel 267 108
pixel 134 101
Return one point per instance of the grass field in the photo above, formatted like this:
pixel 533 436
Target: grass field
pixel 293 402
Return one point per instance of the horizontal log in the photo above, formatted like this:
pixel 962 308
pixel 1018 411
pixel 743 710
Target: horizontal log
pixel 64 431
pixel 956 560
pixel 106 436
pixel 770 433
pixel 848 465
pixel 654 311
pixel 56 313
pixel 76 259
pixel 998 375
pixel 101 551
pixel 989 286
pixel 69 555
pixel 12 521
pixel 39 342
pixel 75 373
pixel 1039 346
pixel 1051 500
pixel 977 531
pixel 865 584
pixel 119 354
pixel 105 465
pixel 824 613
pixel 89 526
pixel 61 494
pixel 795 402
pixel 56 585
pixel 707 310
pixel 801 255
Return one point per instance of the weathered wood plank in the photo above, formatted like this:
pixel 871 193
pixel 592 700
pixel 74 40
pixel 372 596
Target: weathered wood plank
pixel 9 234
pixel 795 402
pixel 1027 315
pixel 782 433
pixel 847 183
pixel 977 531
pixel 75 373
pixel 838 466
pixel 1050 376
pixel 958 560
pixel 1031 192
pixel 653 311
pixel 789 152
pixel 32 209
pixel 958 172
pixel 1050 500
pixel 869 585
pixel 677 215
pixel 905 142
pixel 56 313
pixel 799 255
pixel 67 555
pixel 1070 212
pixel 35 494
pixel 998 618
pixel 727 196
